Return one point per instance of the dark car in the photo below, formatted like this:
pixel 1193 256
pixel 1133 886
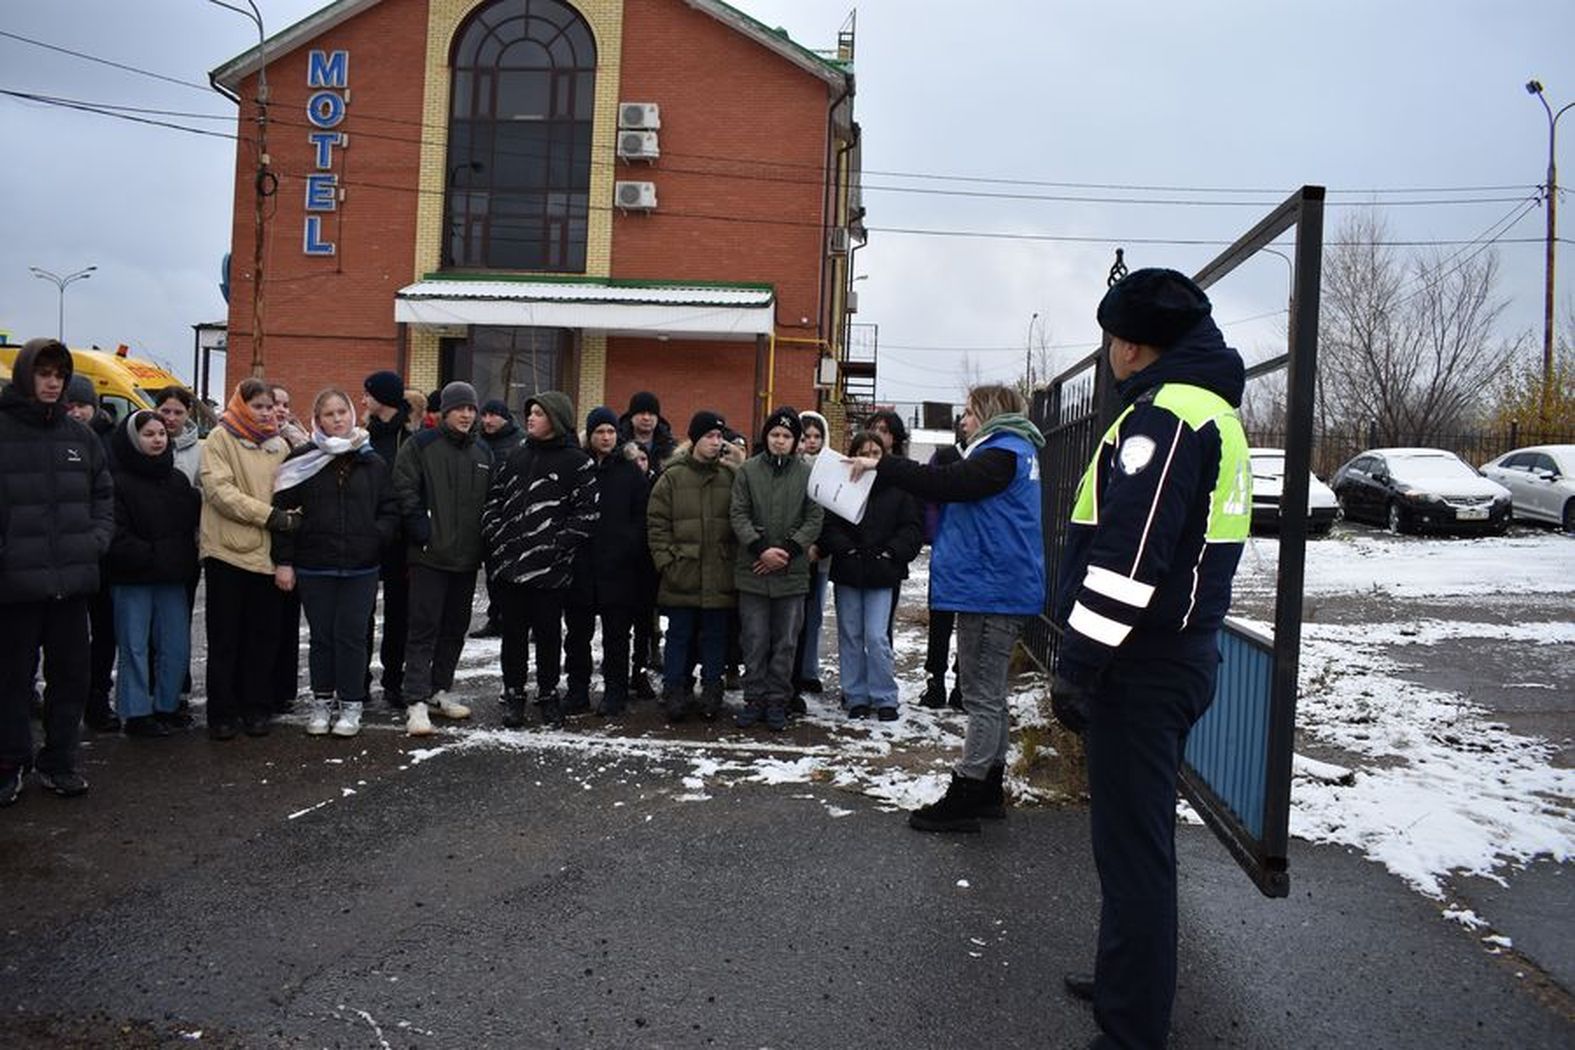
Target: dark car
pixel 1416 489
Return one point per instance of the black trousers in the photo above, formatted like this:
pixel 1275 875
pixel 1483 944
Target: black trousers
pixel 336 607
pixel 285 682
pixel 1139 720
pixel 244 612
pixel 101 628
pixel 396 628
pixel 60 629
pixel 580 621
pixel 439 617
pixel 531 615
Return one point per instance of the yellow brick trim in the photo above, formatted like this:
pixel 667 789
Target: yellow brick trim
pixel 421 350
pixel 593 372
pixel 605 18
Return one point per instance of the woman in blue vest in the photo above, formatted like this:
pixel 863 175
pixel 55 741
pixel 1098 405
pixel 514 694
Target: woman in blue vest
pixel 987 565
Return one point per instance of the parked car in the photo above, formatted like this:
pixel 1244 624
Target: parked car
pixel 1413 489
pixel 1541 482
pixel 1268 481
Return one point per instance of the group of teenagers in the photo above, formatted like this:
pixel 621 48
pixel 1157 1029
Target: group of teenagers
pixel 413 498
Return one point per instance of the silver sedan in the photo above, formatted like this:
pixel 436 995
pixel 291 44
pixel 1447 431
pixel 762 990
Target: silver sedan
pixel 1541 481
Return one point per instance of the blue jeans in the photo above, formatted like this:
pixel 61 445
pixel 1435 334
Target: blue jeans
pixel 864 648
pixel 155 611
pixel 814 616
pixel 682 623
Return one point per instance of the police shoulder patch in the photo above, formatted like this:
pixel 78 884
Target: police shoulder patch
pixel 1136 453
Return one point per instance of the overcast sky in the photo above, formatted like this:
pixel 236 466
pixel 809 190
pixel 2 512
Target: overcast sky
pixel 1253 95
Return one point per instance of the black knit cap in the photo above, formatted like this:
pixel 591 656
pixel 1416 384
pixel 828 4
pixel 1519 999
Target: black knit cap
pixel 645 401
pixel 386 388
pixel 1153 307
pixel 703 422
pixel 786 416
pixel 494 407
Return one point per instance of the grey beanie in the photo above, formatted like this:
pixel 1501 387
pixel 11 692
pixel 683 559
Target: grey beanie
pixel 457 394
pixel 79 391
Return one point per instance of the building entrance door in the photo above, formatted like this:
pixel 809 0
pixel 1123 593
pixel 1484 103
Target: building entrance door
pixel 509 364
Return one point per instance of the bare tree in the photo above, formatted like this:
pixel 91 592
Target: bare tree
pixel 1407 346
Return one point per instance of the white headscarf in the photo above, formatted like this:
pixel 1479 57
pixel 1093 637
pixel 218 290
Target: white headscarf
pixel 301 468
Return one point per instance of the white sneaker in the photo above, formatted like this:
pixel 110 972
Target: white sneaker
pixel 349 720
pixel 416 721
pixel 441 704
pixel 317 716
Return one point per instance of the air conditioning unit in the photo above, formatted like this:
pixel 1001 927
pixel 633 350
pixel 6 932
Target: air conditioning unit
pixel 639 116
pixel 635 196
pixel 638 145
pixel 853 302
pixel 837 243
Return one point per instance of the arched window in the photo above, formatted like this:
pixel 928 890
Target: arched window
pixel 519 138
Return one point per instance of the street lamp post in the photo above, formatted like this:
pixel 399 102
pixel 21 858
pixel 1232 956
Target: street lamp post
pixel 1534 87
pixel 60 284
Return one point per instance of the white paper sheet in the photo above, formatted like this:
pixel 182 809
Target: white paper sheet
pixel 830 486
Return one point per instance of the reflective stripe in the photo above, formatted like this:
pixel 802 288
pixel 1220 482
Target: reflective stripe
pixel 1123 589
pixel 1101 629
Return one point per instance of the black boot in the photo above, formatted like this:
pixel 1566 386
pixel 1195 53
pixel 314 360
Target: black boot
pixel 992 803
pixel 513 708
pixel 1079 986
pixel 710 701
pixel 676 703
pixel 954 698
pixel 934 693
pixel 957 810
pixel 551 709
pixel 615 702
pixel 641 681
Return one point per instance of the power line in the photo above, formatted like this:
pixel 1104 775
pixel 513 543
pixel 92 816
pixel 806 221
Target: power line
pixel 105 62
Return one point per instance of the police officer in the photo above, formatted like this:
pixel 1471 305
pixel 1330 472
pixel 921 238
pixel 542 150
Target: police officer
pixel 1156 532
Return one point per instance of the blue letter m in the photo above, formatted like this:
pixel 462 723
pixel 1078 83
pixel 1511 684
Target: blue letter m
pixel 325 70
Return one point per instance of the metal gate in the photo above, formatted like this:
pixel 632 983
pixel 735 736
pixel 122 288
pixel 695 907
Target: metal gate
pixel 1237 770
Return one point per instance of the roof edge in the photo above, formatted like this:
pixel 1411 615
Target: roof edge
pixel 243 65
pixel 832 72
pixel 602 282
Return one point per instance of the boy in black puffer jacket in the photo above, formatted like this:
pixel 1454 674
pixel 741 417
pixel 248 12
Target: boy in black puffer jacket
pixel 540 509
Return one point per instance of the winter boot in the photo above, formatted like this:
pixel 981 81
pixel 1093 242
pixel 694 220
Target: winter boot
pixel 349 721
pixel 957 810
pixel 551 705
pixel 750 714
pixel 776 716
pixel 615 702
pixel 514 708
pixel 577 700
pixel 417 723
pixel 675 701
pixel 710 701
pixel 992 802
pixel 954 699
pixel 641 681
pixel 443 704
pixel 796 705
pixel 318 714
pixel 934 693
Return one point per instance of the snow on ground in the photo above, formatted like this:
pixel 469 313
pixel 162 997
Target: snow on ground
pixel 1438 785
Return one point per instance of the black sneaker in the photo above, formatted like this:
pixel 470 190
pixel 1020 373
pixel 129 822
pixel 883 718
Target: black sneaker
pixel 551 707
pixel 642 686
pixel 101 720
pixel 10 785
pixel 257 725
pixel 859 711
pixel 177 720
pixel 954 698
pixel 676 703
pixel 710 701
pixel 576 700
pixel 514 701
pixel 886 714
pixel 147 727
pixel 934 693
pixel 810 685
pixel 796 705
pixel 224 729
pixel 66 785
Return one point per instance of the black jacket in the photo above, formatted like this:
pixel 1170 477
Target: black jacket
pixel 875 553
pixel 386 439
pixel 349 514
pixel 504 441
pixel 57 502
pixel 614 568
pixel 661 446
pixel 156 515
pixel 541 507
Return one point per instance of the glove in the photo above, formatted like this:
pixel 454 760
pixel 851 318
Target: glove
pixel 280 520
pixel 1070 704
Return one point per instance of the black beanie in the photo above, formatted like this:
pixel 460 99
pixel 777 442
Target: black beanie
pixel 703 422
pixel 645 401
pixel 496 407
pixel 386 388
pixel 786 416
pixel 599 416
pixel 1153 307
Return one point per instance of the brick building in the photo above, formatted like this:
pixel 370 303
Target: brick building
pixel 599 196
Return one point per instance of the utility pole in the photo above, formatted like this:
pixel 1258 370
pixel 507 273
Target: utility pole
pixel 265 184
pixel 1534 87
pixel 1028 361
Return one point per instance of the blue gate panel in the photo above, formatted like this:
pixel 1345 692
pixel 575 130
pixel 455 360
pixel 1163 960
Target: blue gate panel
pixel 1228 748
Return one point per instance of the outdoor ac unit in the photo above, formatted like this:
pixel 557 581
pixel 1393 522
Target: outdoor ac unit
pixel 638 145
pixel 837 243
pixel 639 116
pixel 635 196
pixel 853 302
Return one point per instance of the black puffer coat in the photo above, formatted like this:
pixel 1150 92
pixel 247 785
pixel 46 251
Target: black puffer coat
pixel 614 568
pixel 156 515
pixel 349 514
pixel 875 553
pixel 542 505
pixel 57 501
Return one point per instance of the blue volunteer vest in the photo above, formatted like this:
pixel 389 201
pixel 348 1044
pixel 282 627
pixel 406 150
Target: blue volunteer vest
pixel 989 555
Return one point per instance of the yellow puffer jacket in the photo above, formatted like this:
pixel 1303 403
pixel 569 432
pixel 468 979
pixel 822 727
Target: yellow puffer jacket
pixel 237 496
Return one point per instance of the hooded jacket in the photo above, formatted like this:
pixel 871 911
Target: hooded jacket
pixel 542 506
pixel 771 508
pixel 614 567
pixel 57 505
pixel 441 480
pixel 875 553
pixel 661 446
pixel 504 441
pixel 691 536
pixel 156 514
pixel 1161 515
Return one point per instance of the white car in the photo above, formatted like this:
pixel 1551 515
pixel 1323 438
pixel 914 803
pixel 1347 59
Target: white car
pixel 1268 481
pixel 1541 481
